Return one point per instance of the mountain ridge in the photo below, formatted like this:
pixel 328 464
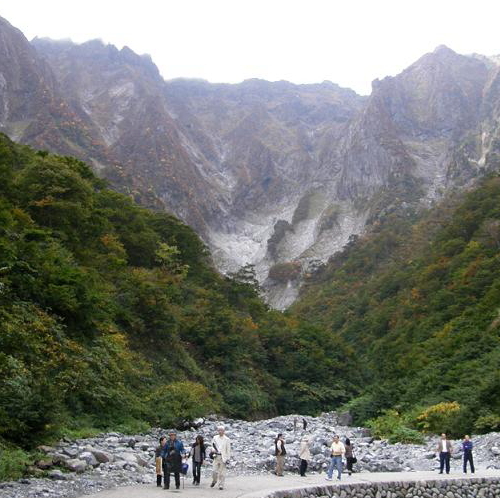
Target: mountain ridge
pixel 235 161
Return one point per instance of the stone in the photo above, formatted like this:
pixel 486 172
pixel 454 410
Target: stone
pixel 75 465
pixel 102 456
pixel 88 457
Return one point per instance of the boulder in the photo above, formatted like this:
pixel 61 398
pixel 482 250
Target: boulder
pixel 75 465
pixel 102 456
pixel 89 458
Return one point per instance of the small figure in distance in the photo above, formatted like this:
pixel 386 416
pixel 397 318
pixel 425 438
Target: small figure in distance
pixel 337 451
pixel 294 424
pixel 172 460
pixel 349 455
pixel 280 452
pixel 304 455
pixel 444 448
pixel 467 448
pixel 304 423
pixel 198 456
pixel 158 460
pixel 222 453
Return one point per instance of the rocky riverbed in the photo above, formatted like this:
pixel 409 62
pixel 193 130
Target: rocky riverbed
pixel 73 468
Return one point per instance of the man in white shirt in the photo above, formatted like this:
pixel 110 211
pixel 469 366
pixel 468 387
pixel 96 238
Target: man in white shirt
pixel 337 451
pixel 222 447
pixel 444 450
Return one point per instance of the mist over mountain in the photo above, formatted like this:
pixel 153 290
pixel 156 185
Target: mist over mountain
pixel 274 174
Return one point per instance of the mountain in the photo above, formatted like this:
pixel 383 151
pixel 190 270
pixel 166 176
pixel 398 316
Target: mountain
pixel 112 314
pixel 417 300
pixel 272 174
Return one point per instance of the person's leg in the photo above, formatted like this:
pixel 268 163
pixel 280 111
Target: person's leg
pixel 280 464
pixel 471 460
pixel 177 477
pixel 339 467
pixel 215 471
pixel 222 474
pixel 166 476
pixel 330 468
pixel 303 467
pixel 158 480
pixel 441 462
pixel 447 460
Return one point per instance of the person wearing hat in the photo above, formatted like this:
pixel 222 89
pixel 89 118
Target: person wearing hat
pixel 172 460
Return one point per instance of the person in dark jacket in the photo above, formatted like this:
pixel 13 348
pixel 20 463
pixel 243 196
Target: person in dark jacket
pixel 444 449
pixel 349 455
pixel 172 460
pixel 467 449
pixel 158 460
pixel 198 453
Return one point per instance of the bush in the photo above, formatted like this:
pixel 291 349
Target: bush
pixel 13 463
pixel 184 400
pixel 392 426
pixel 487 423
pixel 438 418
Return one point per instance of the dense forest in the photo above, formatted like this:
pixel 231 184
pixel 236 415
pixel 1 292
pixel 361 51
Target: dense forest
pixel 418 299
pixel 112 315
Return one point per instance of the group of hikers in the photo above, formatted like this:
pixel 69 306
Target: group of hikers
pixel 172 457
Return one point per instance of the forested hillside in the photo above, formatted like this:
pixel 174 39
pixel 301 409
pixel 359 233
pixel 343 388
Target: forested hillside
pixel 418 299
pixel 111 314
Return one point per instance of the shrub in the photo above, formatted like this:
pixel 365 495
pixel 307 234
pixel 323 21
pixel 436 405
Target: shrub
pixel 13 463
pixel 438 418
pixel 173 403
pixel 392 426
pixel 487 423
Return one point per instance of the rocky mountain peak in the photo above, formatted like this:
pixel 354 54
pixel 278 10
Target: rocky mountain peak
pixel 273 174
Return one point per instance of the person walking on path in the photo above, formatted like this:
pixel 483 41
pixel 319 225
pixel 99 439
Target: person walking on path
pixel 198 455
pixel 158 460
pixel 444 448
pixel 280 452
pixel 337 451
pixel 172 460
pixel 304 424
pixel 467 448
pixel 349 455
pixel 304 455
pixel 222 449
pixel 294 424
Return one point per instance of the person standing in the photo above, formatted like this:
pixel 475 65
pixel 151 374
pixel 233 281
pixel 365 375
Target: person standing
pixel 444 448
pixel 280 452
pixel 198 456
pixel 222 449
pixel 304 423
pixel 172 460
pixel 304 455
pixel 349 454
pixel 467 449
pixel 158 460
pixel 337 451
pixel 294 424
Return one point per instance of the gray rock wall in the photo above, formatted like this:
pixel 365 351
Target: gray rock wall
pixel 449 488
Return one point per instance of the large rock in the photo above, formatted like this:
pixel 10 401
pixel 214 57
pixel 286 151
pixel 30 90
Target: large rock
pixel 88 457
pixel 102 456
pixel 75 465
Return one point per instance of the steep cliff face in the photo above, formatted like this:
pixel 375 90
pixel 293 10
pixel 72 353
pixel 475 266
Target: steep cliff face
pixel 274 174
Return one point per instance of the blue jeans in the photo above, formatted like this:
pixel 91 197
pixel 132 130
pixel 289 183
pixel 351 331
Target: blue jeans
pixel 335 463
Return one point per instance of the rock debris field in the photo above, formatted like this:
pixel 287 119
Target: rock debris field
pixel 76 467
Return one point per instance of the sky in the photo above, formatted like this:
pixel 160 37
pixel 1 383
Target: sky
pixel 349 42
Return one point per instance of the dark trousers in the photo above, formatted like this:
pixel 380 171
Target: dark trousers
pixel 168 468
pixel 468 458
pixel 303 467
pixel 196 471
pixel 349 464
pixel 444 460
